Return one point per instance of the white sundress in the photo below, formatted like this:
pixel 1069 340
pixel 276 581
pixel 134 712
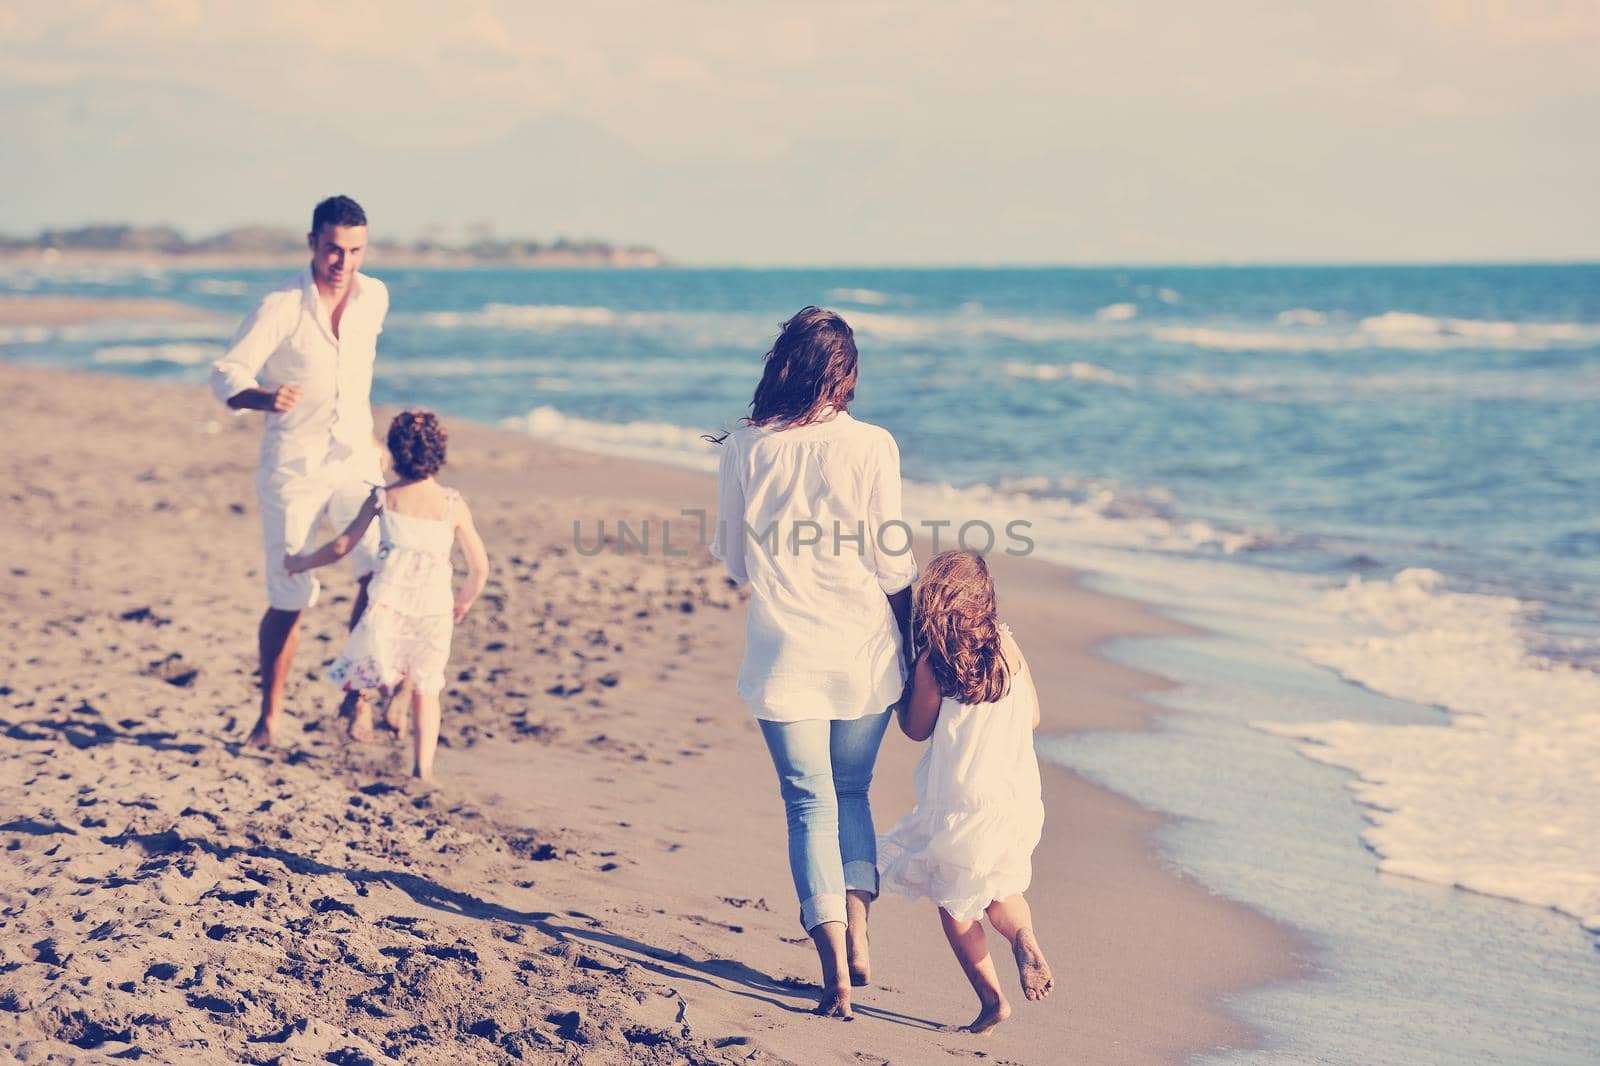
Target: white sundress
pixel 970 838
pixel 405 630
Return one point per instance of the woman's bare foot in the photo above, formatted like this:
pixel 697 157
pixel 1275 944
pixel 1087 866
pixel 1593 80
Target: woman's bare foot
pixel 857 946
pixel 360 713
pixel 991 1015
pixel 835 1003
pixel 265 734
pixel 860 961
pixel 1032 970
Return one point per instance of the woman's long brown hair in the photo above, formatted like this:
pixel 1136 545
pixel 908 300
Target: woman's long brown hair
pixel 957 626
pixel 810 369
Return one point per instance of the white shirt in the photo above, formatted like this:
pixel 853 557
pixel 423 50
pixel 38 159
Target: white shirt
pixel 810 518
pixel 288 340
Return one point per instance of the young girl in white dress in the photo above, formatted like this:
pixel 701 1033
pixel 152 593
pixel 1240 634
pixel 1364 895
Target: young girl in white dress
pixel 968 844
pixel 404 634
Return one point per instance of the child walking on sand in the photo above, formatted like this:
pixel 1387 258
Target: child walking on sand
pixel 968 843
pixel 404 635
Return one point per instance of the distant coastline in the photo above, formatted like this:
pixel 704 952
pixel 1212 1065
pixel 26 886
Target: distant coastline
pixel 259 246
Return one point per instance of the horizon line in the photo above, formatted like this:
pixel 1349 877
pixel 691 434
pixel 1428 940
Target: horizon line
pixel 1132 264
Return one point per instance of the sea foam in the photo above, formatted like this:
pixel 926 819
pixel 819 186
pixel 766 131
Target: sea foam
pixel 118 331
pixel 25 334
pixel 222 286
pixel 1305 330
pixel 975 325
pixel 141 354
pixel 1087 511
pixel 1083 512
pixel 870 297
pixel 1075 371
pixel 522 316
pixel 1501 798
pixel 660 442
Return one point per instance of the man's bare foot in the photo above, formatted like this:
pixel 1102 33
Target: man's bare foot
pixel 857 947
pixel 1032 970
pixel 360 713
pixel 835 1003
pixel 397 712
pixel 991 1016
pixel 265 734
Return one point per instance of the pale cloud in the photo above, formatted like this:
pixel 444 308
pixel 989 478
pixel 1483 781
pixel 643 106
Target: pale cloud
pixel 488 28
pixel 1565 22
pixel 1441 101
pixel 1124 110
pixel 676 79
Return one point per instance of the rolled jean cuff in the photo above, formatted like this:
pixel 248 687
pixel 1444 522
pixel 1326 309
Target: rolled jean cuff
pixel 861 876
pixel 821 908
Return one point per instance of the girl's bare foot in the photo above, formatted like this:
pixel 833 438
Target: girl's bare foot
pixel 991 1015
pixel 857 948
pixel 835 1003
pixel 1032 970
pixel 360 712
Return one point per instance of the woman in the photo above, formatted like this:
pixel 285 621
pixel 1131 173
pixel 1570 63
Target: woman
pixel 809 517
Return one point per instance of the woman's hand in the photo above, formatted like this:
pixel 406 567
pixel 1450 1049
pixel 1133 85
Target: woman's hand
pixel 294 564
pixel 461 609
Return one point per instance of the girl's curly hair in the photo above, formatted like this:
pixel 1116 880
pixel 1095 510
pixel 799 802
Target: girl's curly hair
pixel 416 442
pixel 956 624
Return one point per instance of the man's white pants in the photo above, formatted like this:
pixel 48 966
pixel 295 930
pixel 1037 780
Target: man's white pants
pixel 292 513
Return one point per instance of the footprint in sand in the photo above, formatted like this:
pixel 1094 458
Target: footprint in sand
pixel 173 670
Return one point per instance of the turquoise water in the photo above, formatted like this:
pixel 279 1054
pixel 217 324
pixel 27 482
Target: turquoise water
pixel 1401 415
pixel 1377 486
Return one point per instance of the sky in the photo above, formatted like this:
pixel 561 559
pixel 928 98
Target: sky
pixel 872 132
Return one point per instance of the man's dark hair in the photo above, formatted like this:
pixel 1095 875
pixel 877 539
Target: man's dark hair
pixel 337 211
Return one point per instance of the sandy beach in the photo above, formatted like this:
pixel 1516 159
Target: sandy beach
pixel 70 310
pixel 599 875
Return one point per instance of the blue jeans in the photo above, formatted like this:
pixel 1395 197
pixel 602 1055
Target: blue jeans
pixel 824 770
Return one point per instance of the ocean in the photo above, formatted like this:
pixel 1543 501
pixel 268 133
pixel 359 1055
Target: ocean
pixel 1375 489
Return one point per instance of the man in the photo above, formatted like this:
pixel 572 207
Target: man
pixel 304 356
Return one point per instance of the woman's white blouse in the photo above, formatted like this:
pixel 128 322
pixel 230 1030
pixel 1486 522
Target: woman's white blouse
pixel 810 518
